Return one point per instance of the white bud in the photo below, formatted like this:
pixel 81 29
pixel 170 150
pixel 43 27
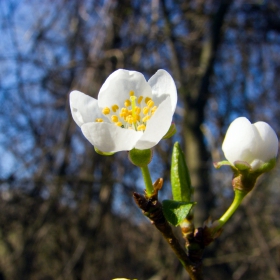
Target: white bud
pixel 255 143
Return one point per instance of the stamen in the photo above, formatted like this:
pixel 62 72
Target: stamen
pixel 132 98
pixel 129 119
pixel 145 119
pixel 137 110
pixel 127 103
pixel 114 118
pixel 147 99
pixel 140 98
pixel 106 111
pixel 131 116
pixel 123 113
pixel 150 103
pixel 115 108
pixel 153 109
pixel 141 127
pixel 145 110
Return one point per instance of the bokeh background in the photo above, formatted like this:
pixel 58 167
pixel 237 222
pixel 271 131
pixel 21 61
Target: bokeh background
pixel 67 212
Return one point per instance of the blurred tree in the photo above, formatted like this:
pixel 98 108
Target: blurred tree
pixel 67 213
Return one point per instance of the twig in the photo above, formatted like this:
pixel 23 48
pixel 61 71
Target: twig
pixel 153 210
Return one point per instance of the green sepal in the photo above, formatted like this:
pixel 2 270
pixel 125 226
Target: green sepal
pixel 102 153
pixel 180 177
pixel 176 211
pixel 140 158
pixel 171 131
pixel 267 166
pixel 242 165
pixel 219 164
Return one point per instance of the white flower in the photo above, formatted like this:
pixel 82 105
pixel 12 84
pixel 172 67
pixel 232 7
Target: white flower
pixel 255 143
pixel 129 113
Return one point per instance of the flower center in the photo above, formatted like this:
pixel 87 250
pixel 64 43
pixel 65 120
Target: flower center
pixel 134 115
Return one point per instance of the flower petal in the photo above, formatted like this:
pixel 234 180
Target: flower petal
pixel 157 126
pixel 240 141
pixel 267 148
pixel 118 85
pixel 84 108
pixel 107 137
pixel 162 84
pixel 256 164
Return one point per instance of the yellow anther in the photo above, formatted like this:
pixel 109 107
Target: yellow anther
pixel 123 113
pixel 153 109
pixel 145 110
pixel 115 108
pixel 131 93
pixel 141 127
pixel 106 111
pixel 127 103
pixel 114 118
pixel 118 124
pixel 150 103
pixel 147 99
pixel 99 120
pixel 145 119
pixel 140 98
pixel 137 110
pixel 129 119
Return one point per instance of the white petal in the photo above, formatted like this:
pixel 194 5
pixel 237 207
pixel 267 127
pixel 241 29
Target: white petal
pixel 256 164
pixel 116 88
pixel 110 138
pixel 240 141
pixel 84 108
pixel 162 84
pixel 157 126
pixel 268 146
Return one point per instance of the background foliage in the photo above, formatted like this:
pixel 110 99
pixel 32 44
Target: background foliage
pixel 68 213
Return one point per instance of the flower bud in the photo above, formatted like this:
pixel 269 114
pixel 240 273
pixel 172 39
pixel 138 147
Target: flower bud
pixel 252 146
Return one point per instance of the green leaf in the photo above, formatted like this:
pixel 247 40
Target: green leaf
pixel 180 177
pixel 176 211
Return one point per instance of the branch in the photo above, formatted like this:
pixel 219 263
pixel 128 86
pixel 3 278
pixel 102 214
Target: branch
pixel 152 208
